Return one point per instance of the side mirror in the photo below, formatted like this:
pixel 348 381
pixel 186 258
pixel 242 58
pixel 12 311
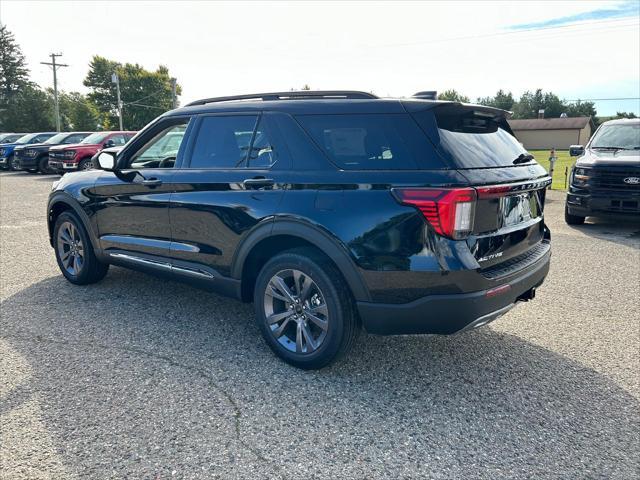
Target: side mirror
pixel 109 143
pixel 576 150
pixel 106 161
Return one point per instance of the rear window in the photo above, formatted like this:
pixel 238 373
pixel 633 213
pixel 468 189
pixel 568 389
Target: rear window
pixel 372 141
pixel 471 138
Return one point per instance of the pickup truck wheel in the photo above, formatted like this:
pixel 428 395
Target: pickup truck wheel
pixel 10 166
pixel 572 219
pixel 74 252
pixel 304 309
pixel 85 164
pixel 43 165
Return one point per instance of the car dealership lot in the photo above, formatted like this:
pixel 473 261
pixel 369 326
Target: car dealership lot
pixel 144 378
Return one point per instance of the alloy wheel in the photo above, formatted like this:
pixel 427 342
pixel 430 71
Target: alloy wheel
pixel 70 248
pixel 296 311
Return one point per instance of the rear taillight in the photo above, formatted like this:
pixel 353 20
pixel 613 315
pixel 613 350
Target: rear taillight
pixel 450 211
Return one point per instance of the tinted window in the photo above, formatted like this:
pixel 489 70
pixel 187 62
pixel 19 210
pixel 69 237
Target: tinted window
pixel 263 153
pixel 223 142
pixel 471 139
pixel 372 142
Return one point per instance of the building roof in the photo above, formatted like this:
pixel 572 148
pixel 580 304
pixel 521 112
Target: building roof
pixel 567 123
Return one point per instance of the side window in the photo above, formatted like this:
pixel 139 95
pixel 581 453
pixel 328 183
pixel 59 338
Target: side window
pixel 161 151
pixel 263 154
pixel 223 141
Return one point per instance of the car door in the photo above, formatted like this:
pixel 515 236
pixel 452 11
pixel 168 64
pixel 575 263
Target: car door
pixel 229 182
pixel 131 206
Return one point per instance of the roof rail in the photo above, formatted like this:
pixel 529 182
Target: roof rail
pixel 295 95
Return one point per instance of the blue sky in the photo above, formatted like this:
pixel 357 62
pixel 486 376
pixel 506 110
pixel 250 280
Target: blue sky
pixel 627 9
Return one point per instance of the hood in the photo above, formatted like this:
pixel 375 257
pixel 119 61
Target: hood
pixel 622 158
pixel 75 146
pixel 35 146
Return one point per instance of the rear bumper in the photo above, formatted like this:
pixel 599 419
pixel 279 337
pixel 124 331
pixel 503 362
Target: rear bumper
pixel 603 203
pixel 446 314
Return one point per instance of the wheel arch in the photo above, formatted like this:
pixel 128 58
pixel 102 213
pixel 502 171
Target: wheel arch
pixel 62 202
pixel 274 237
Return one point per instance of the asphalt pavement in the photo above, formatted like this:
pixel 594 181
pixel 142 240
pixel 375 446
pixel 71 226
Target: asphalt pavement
pixel 137 377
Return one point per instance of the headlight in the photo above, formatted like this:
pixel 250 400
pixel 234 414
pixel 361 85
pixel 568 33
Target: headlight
pixel 69 154
pixel 580 175
pixel 1 151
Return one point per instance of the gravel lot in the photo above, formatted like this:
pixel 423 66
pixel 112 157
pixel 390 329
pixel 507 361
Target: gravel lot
pixel 137 377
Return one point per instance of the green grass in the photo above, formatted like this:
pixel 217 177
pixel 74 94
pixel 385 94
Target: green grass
pixel 564 162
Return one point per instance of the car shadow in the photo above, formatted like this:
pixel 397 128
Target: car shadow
pixel 137 374
pixel 623 230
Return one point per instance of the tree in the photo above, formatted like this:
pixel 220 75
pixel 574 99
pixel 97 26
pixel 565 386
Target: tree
pixel 77 112
pixel 453 96
pixel 501 100
pixel 145 94
pixel 625 115
pixel 13 70
pixel 29 110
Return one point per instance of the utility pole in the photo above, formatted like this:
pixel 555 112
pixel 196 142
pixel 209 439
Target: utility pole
pixel 174 95
pixel 55 66
pixel 115 79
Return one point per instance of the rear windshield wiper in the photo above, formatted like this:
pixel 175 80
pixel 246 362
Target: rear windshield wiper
pixel 523 158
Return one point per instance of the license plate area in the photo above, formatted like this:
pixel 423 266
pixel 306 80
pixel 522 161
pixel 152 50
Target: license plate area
pixel 519 209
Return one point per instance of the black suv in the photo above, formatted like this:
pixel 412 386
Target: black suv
pixel 35 157
pixel 329 210
pixel 606 178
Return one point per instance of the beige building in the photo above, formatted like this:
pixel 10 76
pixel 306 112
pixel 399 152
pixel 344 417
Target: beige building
pixel 547 133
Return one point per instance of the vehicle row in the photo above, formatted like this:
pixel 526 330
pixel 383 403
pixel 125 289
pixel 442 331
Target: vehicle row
pixel 52 152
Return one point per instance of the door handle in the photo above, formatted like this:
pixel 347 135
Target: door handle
pixel 258 182
pixel 152 182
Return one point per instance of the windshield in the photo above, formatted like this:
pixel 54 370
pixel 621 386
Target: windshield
pixel 626 137
pixel 26 138
pixel 11 138
pixel 58 138
pixel 96 138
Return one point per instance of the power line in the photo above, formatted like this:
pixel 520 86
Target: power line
pixel 602 99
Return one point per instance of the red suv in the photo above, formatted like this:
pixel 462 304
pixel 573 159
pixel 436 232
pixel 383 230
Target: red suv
pixel 65 158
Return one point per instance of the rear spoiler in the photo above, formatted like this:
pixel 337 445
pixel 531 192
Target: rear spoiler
pixel 463 117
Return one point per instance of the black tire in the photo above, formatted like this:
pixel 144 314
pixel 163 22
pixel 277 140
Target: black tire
pixel 572 219
pixel 10 166
pixel 32 170
pixel 342 326
pixel 90 269
pixel 43 165
pixel 85 164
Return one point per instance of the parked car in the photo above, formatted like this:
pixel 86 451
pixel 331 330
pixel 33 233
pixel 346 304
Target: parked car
pixel 66 158
pixel 10 137
pixel 329 210
pixel 6 149
pixel 35 157
pixel 605 180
